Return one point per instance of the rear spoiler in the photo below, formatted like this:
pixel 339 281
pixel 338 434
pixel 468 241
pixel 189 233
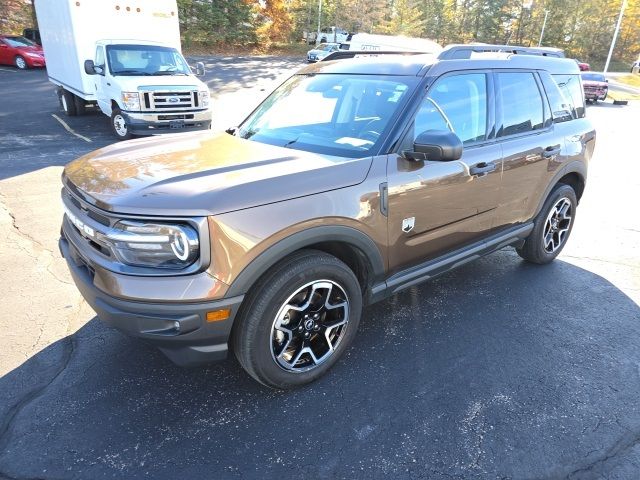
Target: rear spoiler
pixel 343 54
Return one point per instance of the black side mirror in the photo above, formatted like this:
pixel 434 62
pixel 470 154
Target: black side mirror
pixel 437 146
pixel 89 67
pixel 200 69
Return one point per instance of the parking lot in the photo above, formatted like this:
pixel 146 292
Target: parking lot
pixel 500 369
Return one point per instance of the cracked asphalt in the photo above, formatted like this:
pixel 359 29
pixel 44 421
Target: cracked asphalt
pixel 500 369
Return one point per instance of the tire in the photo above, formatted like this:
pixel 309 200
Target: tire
pixel 20 62
pixel 119 125
pixel 283 334
pixel 80 105
pixel 552 226
pixel 68 103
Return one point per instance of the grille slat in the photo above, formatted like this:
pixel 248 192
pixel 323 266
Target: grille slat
pixel 184 99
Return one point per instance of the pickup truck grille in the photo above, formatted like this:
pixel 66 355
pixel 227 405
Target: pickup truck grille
pixel 170 101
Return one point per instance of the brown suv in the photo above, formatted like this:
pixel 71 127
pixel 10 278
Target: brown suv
pixel 355 179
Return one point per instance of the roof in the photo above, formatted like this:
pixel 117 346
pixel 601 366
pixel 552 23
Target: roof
pixel 403 63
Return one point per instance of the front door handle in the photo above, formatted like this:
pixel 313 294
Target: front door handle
pixel 481 169
pixel 551 151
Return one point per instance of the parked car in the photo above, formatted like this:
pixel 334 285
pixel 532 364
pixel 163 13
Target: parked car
pixel 32 34
pixel 18 51
pixel 596 86
pixel 352 181
pixel 321 51
pixel 584 67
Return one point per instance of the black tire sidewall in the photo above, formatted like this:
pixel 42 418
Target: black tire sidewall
pixel 252 346
pixel 533 249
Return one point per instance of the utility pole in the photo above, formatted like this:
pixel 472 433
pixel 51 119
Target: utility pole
pixel 319 19
pixel 615 35
pixel 544 24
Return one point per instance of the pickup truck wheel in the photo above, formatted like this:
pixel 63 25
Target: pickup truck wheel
pixel 119 125
pixel 552 227
pixel 298 320
pixel 21 63
pixel 67 101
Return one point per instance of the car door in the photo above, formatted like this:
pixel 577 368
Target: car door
pixel 531 147
pixel 436 207
pixel 101 81
pixel 5 53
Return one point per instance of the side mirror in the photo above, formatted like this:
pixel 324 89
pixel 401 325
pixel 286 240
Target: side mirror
pixel 606 80
pixel 89 67
pixel 437 146
pixel 200 69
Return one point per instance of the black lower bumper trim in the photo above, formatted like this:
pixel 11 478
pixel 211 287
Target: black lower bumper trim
pixel 179 330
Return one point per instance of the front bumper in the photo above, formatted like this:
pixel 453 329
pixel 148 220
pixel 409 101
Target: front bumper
pixel 179 330
pixel 167 122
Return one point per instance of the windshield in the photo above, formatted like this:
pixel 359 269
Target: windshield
pixel 145 60
pixel 326 46
pixel 594 77
pixel 334 114
pixel 18 42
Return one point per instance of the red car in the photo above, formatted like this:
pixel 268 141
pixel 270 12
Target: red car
pixel 18 51
pixel 584 67
pixel 596 86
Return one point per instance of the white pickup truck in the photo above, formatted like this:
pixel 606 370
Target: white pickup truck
pixel 124 57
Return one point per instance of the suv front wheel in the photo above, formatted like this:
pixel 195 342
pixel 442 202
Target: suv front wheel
pixel 552 226
pixel 298 320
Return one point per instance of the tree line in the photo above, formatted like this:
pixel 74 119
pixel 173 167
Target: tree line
pixel 583 28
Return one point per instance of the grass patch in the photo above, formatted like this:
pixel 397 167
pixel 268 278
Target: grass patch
pixel 631 80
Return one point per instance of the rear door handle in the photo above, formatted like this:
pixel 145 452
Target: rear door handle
pixel 551 151
pixel 482 169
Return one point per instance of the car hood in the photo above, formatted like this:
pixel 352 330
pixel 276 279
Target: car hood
pixel 197 174
pixel 594 83
pixel 31 49
pixel 133 83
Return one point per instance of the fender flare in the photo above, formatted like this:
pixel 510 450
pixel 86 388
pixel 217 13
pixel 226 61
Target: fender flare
pixel 306 238
pixel 576 167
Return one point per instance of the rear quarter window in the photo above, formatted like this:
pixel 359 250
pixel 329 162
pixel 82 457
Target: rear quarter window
pixel 562 109
pixel 571 88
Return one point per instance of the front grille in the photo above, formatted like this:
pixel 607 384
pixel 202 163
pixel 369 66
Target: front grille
pixel 170 101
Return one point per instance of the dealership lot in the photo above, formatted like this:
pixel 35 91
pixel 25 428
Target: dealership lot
pixel 497 370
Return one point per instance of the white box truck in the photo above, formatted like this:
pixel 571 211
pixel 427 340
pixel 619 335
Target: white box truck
pixel 125 57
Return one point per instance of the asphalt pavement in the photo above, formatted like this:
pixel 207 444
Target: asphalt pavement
pixel 499 369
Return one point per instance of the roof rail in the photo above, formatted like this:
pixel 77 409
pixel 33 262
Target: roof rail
pixel 456 52
pixel 343 54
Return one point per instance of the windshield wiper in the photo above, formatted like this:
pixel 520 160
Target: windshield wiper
pixel 168 72
pixel 131 73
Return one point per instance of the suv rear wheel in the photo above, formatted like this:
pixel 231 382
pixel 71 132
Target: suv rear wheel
pixel 552 226
pixel 298 320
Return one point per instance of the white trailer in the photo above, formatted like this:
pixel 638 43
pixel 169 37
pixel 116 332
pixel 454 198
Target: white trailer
pixel 125 57
pixel 370 42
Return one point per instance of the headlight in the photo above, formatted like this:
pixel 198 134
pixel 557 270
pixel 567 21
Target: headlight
pixel 155 245
pixel 204 98
pixel 131 100
pixel 33 55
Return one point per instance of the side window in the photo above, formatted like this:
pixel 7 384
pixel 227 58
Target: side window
pixel 457 103
pixel 521 103
pixel 561 108
pixel 99 57
pixel 570 86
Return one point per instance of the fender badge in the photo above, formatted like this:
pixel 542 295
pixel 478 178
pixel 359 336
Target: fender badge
pixel 408 224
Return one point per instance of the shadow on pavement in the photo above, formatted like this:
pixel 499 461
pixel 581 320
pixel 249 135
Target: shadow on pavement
pixel 498 369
